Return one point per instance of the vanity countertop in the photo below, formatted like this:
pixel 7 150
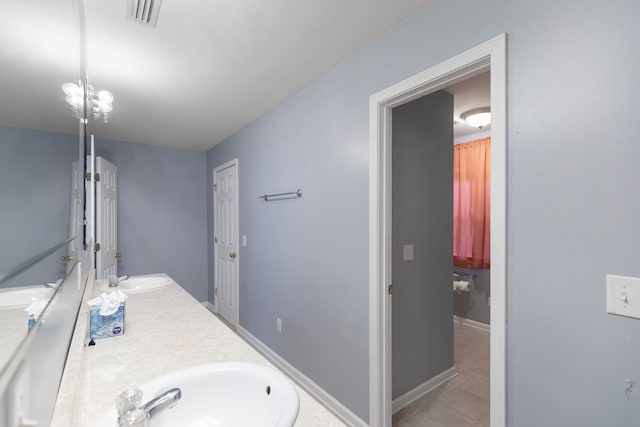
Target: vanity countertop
pixel 165 330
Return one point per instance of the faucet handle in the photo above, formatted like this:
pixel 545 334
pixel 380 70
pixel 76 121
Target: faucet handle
pixel 135 418
pixel 129 412
pixel 128 400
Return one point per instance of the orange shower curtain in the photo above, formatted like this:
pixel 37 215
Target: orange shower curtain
pixel 471 202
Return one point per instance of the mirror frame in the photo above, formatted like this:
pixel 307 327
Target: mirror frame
pixel 30 381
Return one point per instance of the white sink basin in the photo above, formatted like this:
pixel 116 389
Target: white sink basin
pixel 222 395
pixel 139 283
pixel 24 296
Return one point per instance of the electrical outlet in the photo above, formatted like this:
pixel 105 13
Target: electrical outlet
pixel 279 324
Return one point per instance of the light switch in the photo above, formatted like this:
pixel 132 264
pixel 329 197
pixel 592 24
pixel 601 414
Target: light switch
pixel 244 240
pixel 407 253
pixel 623 296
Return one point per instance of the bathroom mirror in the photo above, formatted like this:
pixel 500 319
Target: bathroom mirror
pixel 41 161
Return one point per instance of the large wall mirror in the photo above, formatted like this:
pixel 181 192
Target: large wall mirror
pixel 43 256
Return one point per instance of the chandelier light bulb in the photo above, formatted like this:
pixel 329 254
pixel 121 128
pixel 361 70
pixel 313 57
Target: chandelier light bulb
pixel 71 89
pixel 74 100
pixel 105 107
pixel 105 96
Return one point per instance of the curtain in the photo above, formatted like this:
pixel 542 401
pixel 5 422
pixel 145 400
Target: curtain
pixel 471 203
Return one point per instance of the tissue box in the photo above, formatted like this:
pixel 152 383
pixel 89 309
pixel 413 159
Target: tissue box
pixel 106 326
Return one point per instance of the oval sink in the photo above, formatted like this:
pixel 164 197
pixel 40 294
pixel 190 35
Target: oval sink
pixel 223 394
pixel 17 297
pixel 139 283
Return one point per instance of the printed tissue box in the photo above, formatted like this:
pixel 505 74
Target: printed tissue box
pixel 106 326
pixel 106 318
pixel 34 310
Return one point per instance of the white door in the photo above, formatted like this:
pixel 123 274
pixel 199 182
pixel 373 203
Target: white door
pixel 225 213
pixel 106 218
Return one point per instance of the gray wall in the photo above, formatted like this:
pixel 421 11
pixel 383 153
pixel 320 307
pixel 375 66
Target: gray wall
pixel 35 200
pixel 422 215
pixel 572 205
pixel 474 305
pixel 162 220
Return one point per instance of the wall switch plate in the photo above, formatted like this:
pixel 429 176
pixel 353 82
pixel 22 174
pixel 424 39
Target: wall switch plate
pixel 407 253
pixel 623 296
pixel 244 240
pixel 279 324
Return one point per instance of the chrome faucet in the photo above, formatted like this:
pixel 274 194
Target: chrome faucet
pixel 114 280
pixel 163 401
pixel 131 414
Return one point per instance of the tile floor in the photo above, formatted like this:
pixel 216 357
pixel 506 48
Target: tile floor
pixel 464 400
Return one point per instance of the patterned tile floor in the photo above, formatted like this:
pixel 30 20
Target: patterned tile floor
pixel 462 401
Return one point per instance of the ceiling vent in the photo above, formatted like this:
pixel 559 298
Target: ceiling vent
pixel 144 12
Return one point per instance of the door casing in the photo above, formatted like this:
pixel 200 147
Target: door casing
pixel 490 55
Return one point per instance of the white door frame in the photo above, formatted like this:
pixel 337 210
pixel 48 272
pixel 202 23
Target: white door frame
pixel 489 55
pixel 215 233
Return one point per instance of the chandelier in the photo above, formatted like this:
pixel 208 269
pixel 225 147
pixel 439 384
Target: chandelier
pixel 99 103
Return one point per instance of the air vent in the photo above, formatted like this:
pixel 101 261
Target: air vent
pixel 144 12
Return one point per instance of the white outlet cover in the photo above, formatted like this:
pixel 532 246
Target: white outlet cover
pixel 623 296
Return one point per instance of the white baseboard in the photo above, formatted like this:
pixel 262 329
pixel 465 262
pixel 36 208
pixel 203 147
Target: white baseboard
pixel 303 381
pixel 424 388
pixel 208 306
pixel 472 323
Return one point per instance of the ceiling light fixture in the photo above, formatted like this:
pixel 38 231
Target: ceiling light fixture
pixel 478 117
pixel 100 102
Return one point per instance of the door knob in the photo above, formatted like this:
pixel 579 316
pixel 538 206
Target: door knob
pixel 66 258
pixel 233 255
pixel 118 255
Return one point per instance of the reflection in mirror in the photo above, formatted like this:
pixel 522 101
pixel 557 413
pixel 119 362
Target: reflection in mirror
pixel 40 176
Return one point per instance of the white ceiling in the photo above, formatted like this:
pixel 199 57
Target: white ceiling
pixel 38 53
pixel 467 95
pixel 211 67
pixel 208 68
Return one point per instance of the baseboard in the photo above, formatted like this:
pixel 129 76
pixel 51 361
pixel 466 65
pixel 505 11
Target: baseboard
pixel 209 306
pixel 303 381
pixel 424 388
pixel 472 323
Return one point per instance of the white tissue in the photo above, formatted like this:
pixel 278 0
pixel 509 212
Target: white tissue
pixel 36 307
pixel 461 286
pixel 109 303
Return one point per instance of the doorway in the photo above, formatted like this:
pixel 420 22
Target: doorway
pixel 489 56
pixel 225 241
pixel 106 218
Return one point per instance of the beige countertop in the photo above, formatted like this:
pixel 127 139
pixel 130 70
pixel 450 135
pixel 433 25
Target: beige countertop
pixel 165 330
pixel 15 324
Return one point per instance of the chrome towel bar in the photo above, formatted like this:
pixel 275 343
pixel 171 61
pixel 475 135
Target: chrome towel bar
pixel 282 196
